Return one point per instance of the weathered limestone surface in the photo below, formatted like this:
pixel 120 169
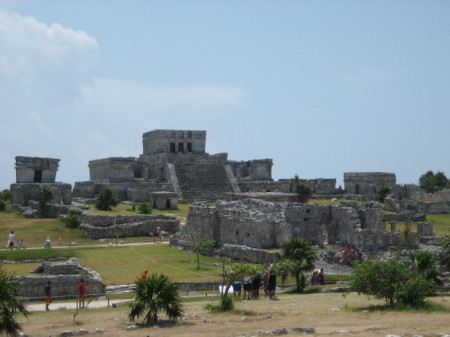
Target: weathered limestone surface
pixel 367 182
pixel 64 278
pixel 102 226
pixel 36 169
pixel 260 224
pixel 22 193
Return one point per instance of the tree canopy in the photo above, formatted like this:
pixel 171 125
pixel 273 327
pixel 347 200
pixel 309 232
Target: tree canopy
pixel 432 182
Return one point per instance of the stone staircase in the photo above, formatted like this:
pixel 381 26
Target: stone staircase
pixel 202 178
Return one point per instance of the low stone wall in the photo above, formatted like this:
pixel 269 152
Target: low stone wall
pixel 100 226
pixel 247 254
pixel 64 278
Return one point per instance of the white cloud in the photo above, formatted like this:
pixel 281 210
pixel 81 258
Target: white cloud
pixel 51 104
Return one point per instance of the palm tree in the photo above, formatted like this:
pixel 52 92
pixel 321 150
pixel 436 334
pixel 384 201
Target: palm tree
pixel 425 263
pixel 299 257
pixel 155 294
pixel 10 304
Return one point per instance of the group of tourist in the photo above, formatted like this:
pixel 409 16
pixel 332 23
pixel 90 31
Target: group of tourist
pixel 317 277
pixel 251 285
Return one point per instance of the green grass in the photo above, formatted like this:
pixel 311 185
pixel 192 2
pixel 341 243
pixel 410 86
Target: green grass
pixel 441 223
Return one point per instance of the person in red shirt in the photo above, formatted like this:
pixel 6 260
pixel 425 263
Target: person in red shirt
pixel 81 295
pixel 144 274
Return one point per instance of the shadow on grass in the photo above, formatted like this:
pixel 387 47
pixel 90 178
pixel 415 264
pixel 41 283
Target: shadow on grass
pixel 427 307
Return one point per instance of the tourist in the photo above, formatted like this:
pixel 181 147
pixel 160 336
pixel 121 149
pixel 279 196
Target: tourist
pixel 237 289
pixel 266 282
pixel 256 285
pixel 313 281
pixel 272 283
pixel 48 295
pixel 158 235
pixel 144 275
pixel 10 244
pixel 248 287
pixel 81 294
pixel 321 277
pixel 48 243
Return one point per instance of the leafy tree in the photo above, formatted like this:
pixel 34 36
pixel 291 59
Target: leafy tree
pixel 106 199
pixel 392 281
pixel 445 250
pixel 5 195
pixel 304 192
pixel 155 294
pixel 351 254
pixel 431 182
pixel 44 195
pixel 73 218
pixel 299 257
pixel 382 192
pixel 145 208
pixel 424 263
pixel 199 245
pixel 10 304
pixel 2 205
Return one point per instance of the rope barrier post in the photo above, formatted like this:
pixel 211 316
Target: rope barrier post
pixel 108 300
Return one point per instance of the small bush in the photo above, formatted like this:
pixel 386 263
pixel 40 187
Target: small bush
pixel 106 199
pixel 145 208
pixel 73 218
pixel 226 303
pixel 2 205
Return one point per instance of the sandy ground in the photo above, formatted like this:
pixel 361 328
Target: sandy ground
pixel 327 314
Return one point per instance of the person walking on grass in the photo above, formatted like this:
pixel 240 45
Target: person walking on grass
pixel 10 244
pixel 48 295
pixel 81 294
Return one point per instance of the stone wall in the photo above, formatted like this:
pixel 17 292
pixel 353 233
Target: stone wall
pixel 64 278
pixel 367 182
pixel 102 226
pixel 22 193
pixel 174 141
pixel 36 169
pixel 113 169
pixel 260 224
pixel 256 170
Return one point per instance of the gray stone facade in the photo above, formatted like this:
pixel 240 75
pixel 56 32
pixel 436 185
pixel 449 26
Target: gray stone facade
pixel 36 169
pixel 102 226
pixel 174 141
pixel 260 224
pixel 64 278
pixel 366 183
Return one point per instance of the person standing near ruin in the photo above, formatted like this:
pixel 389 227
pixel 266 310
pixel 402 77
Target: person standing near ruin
pixel 321 277
pixel 272 284
pixel 81 294
pixel 48 295
pixel 144 275
pixel 158 235
pixel 10 244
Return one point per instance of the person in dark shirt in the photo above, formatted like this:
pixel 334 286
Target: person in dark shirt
pixel 48 295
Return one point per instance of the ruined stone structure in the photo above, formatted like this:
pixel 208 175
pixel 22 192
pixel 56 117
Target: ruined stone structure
pixel 367 183
pixel 172 161
pixel 34 172
pixel 102 226
pixel 64 278
pixel 260 224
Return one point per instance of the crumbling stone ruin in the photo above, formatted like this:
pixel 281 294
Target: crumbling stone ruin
pixel 175 161
pixel 260 224
pixel 64 278
pixel 31 174
pixel 101 226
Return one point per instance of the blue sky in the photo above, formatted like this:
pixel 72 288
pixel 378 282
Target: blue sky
pixel 321 87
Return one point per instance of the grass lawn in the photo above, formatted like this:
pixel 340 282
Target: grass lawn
pixel 123 264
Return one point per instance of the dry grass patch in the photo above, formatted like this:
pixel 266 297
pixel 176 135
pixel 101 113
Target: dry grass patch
pixel 329 314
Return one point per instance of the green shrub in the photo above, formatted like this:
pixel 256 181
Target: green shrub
pixel 226 303
pixel 73 218
pixel 5 195
pixel 145 208
pixel 2 205
pixel 392 281
pixel 106 199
